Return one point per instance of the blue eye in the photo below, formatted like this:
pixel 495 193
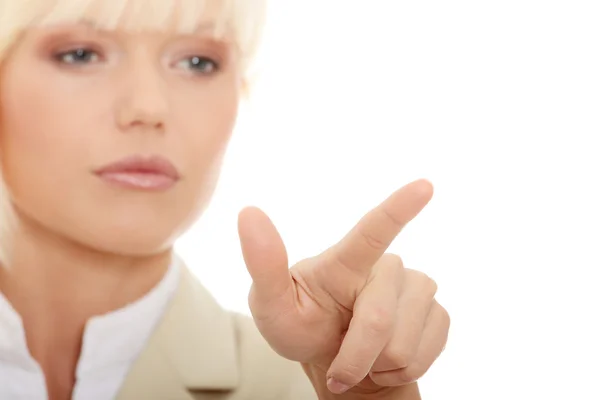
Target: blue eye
pixel 199 64
pixel 77 56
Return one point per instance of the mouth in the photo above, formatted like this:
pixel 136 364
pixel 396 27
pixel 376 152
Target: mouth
pixel 153 173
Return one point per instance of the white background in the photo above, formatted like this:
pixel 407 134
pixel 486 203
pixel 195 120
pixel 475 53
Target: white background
pixel 498 104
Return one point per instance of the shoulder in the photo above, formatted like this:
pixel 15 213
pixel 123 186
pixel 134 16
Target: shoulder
pixel 199 350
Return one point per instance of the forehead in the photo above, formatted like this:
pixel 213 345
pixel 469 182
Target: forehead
pixel 182 16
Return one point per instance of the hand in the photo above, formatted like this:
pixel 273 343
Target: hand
pixel 352 311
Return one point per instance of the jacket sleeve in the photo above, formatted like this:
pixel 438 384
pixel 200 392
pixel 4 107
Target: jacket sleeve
pixel 265 374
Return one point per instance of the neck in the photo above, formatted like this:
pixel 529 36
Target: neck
pixel 56 285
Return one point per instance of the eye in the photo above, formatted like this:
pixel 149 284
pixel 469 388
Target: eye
pixel 77 56
pixel 199 64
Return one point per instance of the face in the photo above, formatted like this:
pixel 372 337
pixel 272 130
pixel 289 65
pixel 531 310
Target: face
pixel 75 100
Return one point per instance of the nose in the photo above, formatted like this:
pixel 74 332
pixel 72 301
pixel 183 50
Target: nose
pixel 143 98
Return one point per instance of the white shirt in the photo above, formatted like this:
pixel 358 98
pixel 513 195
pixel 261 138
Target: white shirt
pixel 111 343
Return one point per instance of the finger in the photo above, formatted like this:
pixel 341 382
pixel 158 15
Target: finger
pixel 431 346
pixel 414 307
pixel 266 260
pixel 368 240
pixel 370 329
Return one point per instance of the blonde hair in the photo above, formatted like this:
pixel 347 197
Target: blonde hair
pixel 243 19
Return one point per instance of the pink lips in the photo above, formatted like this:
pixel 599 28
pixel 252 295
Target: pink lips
pixel 140 173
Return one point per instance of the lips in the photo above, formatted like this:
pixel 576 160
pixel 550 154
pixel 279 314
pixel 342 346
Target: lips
pixel 154 173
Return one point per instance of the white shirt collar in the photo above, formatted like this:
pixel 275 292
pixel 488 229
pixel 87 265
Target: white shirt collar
pixel 114 338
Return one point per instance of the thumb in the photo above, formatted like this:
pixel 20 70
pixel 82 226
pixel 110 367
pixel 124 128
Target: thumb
pixel 265 256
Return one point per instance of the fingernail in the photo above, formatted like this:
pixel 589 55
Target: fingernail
pixel 336 386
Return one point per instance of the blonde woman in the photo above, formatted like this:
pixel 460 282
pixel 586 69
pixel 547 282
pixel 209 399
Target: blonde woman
pixel 114 118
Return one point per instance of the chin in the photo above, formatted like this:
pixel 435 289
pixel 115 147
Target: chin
pixel 130 238
pixel 133 245
pixel 128 227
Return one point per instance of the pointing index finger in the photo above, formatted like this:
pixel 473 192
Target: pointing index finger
pixel 373 234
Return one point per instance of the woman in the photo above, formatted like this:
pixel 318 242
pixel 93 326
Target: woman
pixel 114 118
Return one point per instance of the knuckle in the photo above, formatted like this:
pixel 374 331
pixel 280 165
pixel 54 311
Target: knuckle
pixel 423 282
pixel 395 220
pixel 378 321
pixel 351 374
pixel 412 373
pixel 390 265
pixel 373 241
pixel 444 316
pixel 392 259
pixel 399 376
pixel 385 378
pixel 400 357
pixel 431 287
pixel 339 259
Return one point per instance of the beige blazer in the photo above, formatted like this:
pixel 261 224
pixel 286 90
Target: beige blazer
pixel 200 351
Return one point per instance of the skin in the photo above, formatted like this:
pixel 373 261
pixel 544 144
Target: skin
pixel 84 247
pixel 359 322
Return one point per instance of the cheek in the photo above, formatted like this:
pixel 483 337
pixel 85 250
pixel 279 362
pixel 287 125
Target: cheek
pixel 206 137
pixel 44 112
pixel 208 133
pixel 46 142
pixel 40 138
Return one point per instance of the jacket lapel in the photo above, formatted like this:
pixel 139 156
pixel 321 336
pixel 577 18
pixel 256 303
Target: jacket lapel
pixel 192 349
